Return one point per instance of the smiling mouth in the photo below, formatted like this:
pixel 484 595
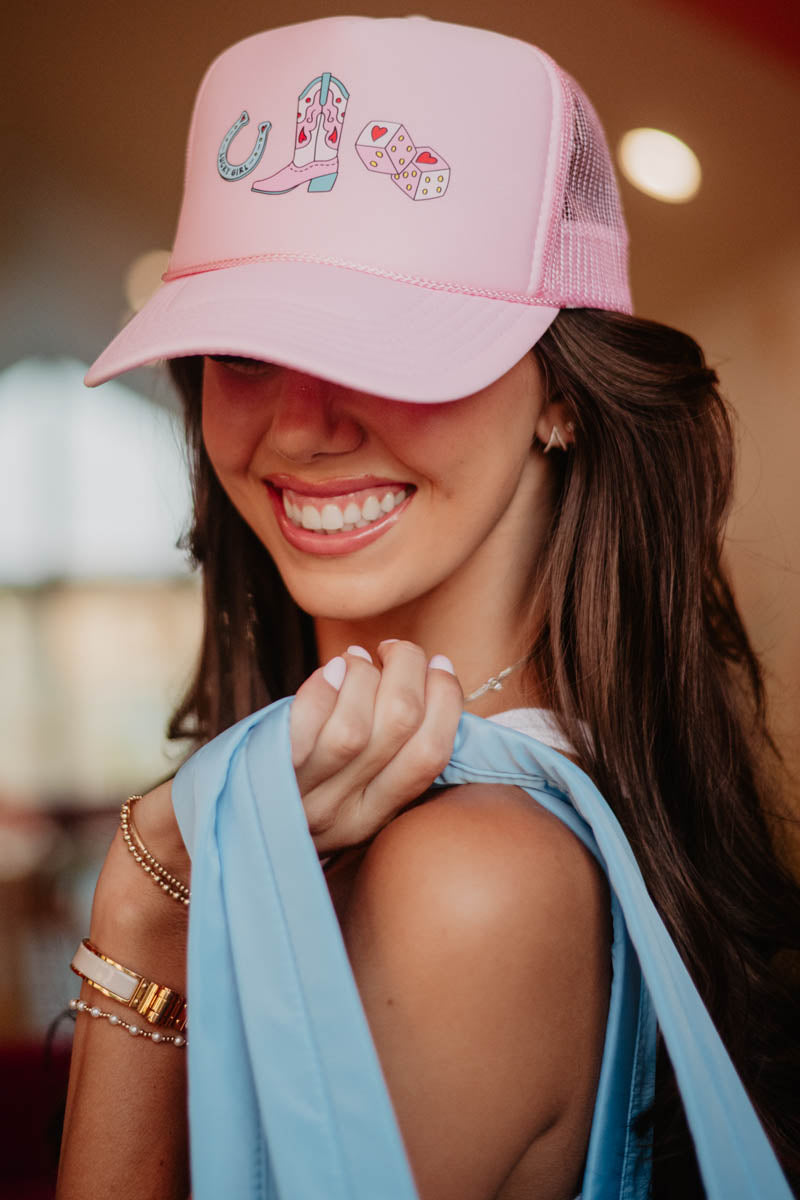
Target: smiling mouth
pixel 329 515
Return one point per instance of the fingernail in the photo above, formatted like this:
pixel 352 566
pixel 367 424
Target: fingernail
pixel 334 672
pixel 440 662
pixel 360 652
pixel 388 641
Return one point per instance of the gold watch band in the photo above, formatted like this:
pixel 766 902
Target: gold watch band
pixel 159 1005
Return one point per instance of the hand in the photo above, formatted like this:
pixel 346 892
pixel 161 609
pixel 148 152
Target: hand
pixel 365 751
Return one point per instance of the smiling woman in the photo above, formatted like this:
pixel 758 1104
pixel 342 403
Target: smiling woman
pixel 506 953
pixel 432 494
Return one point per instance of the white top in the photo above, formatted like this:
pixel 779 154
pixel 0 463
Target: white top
pixel 539 723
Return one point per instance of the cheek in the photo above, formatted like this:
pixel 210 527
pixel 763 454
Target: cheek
pixel 436 440
pixel 231 431
pixel 466 444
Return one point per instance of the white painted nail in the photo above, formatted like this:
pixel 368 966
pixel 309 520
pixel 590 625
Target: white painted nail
pixel 440 662
pixel 389 641
pixel 359 652
pixel 334 672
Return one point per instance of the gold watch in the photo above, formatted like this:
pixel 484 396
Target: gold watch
pixel 159 1005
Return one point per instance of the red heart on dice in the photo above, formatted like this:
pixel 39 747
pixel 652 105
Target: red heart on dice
pixel 378 131
pixel 426 158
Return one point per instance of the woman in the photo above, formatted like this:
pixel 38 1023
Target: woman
pixel 390 483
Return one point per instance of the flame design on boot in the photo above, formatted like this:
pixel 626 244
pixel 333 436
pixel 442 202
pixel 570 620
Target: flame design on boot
pixel 321 107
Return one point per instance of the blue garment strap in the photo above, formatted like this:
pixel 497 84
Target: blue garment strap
pixel 286 1097
pixel 733 1152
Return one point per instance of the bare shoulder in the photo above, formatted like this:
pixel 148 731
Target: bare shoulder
pixel 482 852
pixel 478 933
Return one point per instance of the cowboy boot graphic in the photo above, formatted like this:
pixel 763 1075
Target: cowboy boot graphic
pixel 320 117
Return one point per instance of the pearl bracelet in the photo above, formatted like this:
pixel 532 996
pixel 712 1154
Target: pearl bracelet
pixel 80 1006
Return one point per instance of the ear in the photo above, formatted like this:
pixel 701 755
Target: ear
pixel 555 429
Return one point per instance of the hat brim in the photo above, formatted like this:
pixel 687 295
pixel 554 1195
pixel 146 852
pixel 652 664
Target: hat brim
pixel 380 335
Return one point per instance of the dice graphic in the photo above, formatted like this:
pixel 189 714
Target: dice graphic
pixel 385 147
pixel 426 177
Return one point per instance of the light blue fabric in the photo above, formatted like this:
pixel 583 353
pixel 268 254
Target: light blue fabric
pixel 286 1096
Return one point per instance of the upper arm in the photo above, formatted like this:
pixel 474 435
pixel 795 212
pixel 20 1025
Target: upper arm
pixel 477 933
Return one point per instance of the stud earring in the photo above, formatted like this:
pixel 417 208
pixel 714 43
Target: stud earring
pixel 554 440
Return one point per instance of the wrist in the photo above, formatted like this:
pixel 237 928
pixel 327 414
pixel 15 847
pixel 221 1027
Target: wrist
pixel 134 921
pixel 158 828
pixel 173 887
pixel 151 943
pixel 160 1004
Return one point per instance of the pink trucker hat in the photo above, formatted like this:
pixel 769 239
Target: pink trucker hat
pixel 401 206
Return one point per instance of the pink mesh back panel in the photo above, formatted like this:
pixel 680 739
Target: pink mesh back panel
pixel 585 261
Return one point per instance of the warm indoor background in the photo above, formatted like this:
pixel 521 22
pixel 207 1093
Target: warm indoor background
pixel 98 612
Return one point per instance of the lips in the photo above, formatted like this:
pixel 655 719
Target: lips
pixel 337 516
pixel 340 486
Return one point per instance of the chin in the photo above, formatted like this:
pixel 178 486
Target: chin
pixel 333 608
pixel 358 598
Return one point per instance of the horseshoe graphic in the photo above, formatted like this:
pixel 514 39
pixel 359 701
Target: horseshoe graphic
pixel 234 171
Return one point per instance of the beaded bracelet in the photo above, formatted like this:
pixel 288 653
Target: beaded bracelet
pixel 148 862
pixel 80 1006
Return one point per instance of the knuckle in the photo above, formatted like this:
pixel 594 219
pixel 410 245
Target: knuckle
pixel 404 712
pixel 348 736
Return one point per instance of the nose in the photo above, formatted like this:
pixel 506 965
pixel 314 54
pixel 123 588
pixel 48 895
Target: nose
pixel 310 419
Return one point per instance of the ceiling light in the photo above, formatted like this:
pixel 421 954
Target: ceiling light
pixel 660 165
pixel 144 277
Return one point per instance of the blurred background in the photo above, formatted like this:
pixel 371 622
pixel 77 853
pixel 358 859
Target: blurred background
pixel 99 613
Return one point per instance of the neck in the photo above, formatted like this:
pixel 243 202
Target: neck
pixel 482 618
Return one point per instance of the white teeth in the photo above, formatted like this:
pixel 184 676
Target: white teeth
pixel 332 518
pixel 371 508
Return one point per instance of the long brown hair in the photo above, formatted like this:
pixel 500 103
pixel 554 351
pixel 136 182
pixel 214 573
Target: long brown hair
pixel 640 651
